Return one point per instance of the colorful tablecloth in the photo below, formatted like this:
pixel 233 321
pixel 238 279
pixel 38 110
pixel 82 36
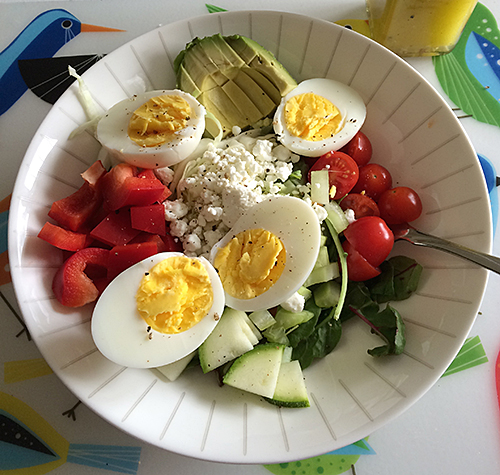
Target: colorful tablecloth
pixel 454 429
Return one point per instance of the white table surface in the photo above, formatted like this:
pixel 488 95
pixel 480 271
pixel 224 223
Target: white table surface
pixel 453 429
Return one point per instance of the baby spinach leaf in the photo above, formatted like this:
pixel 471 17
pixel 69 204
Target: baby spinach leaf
pixel 398 280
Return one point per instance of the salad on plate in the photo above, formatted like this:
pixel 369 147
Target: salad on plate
pixel 234 224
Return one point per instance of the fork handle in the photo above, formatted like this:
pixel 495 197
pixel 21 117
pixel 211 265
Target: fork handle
pixel 484 260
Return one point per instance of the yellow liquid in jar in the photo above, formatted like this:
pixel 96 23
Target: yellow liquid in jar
pixel 419 27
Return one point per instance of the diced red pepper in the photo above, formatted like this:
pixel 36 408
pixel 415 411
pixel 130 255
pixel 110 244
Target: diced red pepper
pixel 121 187
pixel 172 244
pixel 76 209
pixel 94 173
pixel 115 229
pixel 63 238
pixel 71 286
pixel 123 257
pixel 149 173
pixel 149 218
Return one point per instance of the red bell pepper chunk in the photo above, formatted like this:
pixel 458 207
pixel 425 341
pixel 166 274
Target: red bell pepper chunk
pixel 75 210
pixel 63 238
pixel 149 218
pixel 115 229
pixel 121 187
pixel 94 173
pixel 71 286
pixel 171 244
pixel 123 257
pixel 148 173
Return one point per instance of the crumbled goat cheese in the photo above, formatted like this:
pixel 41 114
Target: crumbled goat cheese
pixel 295 303
pixel 222 184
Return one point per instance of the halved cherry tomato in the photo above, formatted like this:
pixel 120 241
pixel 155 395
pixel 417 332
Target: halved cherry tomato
pixel 71 286
pixel 400 205
pixel 362 205
pixel 373 180
pixel 342 171
pixel 359 149
pixel 371 237
pixel 358 268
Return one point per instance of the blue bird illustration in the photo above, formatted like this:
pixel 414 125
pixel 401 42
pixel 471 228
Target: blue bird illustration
pixel 42 38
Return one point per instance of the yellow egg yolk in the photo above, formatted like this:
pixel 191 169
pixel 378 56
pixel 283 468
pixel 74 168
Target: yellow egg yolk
pixel 157 120
pixel 175 294
pixel 250 263
pixel 312 117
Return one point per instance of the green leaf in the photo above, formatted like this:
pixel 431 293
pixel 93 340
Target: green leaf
pixel 214 9
pixel 398 281
pixel 390 326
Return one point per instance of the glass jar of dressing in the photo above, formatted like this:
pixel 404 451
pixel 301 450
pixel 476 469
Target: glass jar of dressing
pixel 418 27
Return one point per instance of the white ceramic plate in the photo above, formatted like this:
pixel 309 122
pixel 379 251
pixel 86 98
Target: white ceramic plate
pixel 414 134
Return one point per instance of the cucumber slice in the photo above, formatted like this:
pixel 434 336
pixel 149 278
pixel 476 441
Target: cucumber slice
pixel 290 388
pixel 327 294
pixel 323 274
pixel 225 343
pixel 320 186
pixel 251 326
pixel 250 331
pixel 276 334
pixel 257 371
pixel 337 216
pixel 305 292
pixel 287 319
pixel 323 258
pixel 262 319
pixel 173 370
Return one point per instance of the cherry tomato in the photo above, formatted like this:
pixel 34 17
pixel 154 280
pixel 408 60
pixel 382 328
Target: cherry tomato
pixel 358 268
pixel 373 180
pixel 400 205
pixel 359 149
pixel 342 171
pixel 362 205
pixel 371 237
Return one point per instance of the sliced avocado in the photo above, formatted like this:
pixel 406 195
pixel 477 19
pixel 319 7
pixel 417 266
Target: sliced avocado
pixel 198 72
pixel 223 102
pixel 227 54
pixel 186 83
pixel 226 124
pixel 259 58
pixel 263 102
pixel 267 86
pixel 243 103
pixel 215 70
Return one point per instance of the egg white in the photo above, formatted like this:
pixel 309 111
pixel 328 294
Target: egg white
pixel 297 225
pixel 112 133
pixel 120 333
pixel 346 99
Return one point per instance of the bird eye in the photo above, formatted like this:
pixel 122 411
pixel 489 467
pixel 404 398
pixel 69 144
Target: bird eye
pixel 67 24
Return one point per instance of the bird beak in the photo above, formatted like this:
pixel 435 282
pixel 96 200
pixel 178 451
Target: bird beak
pixel 86 28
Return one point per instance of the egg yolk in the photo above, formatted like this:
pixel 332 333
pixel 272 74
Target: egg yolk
pixel 312 117
pixel 157 120
pixel 175 294
pixel 250 263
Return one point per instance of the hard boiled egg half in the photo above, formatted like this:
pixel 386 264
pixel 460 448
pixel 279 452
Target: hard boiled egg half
pixel 268 254
pixel 154 129
pixel 158 311
pixel 318 116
